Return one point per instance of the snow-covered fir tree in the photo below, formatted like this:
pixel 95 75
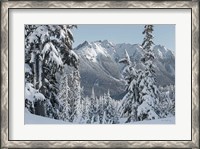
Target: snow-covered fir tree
pixel 166 104
pixel 101 109
pixel 85 104
pixel 74 96
pixel 130 101
pixel 142 93
pixel 111 115
pixel 93 111
pixel 148 91
pixel 63 97
pixel 47 49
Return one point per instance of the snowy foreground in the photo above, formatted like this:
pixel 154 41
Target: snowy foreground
pixel 35 119
pixel 168 120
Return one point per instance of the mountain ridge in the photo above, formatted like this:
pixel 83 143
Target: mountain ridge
pixel 100 68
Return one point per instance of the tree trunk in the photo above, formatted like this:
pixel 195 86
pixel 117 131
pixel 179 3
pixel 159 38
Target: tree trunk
pixel 37 70
pixel 40 79
pixel 34 69
pixel 135 113
pixel 40 108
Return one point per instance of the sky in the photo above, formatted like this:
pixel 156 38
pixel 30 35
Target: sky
pixel 164 34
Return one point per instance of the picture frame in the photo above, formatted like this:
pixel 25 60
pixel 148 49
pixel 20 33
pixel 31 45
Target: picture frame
pixel 6 6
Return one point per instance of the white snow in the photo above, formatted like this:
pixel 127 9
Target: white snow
pixel 29 91
pixel 53 48
pixel 39 96
pixel 168 120
pixel 32 94
pixel 28 69
pixel 56 59
pixel 99 49
pixel 71 52
pixel 160 54
pixel 41 31
pixel 62 34
pixel 45 49
pixel 36 119
pixel 54 56
pixel 70 32
pixel 32 57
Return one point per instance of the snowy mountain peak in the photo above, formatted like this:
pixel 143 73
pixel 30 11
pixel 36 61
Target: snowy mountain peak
pixel 85 43
pixel 105 44
pixel 162 52
pixel 82 45
pixel 92 50
pixel 162 48
pixel 108 43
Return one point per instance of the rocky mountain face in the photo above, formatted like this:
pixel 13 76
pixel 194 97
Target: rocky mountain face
pixel 99 67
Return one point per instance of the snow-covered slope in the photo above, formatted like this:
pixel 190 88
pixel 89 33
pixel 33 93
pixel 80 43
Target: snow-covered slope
pixel 168 120
pixel 99 67
pixel 36 119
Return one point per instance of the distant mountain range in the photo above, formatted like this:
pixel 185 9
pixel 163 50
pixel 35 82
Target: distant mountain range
pixel 99 67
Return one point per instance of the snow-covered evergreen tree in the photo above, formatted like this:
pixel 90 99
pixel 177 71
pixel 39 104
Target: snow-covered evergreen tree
pixel 148 91
pixel 47 49
pixel 166 104
pixel 110 115
pixel 63 97
pixel 148 55
pixel 101 109
pixel 85 110
pixel 140 101
pixel 93 108
pixel 74 95
pixel 129 103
